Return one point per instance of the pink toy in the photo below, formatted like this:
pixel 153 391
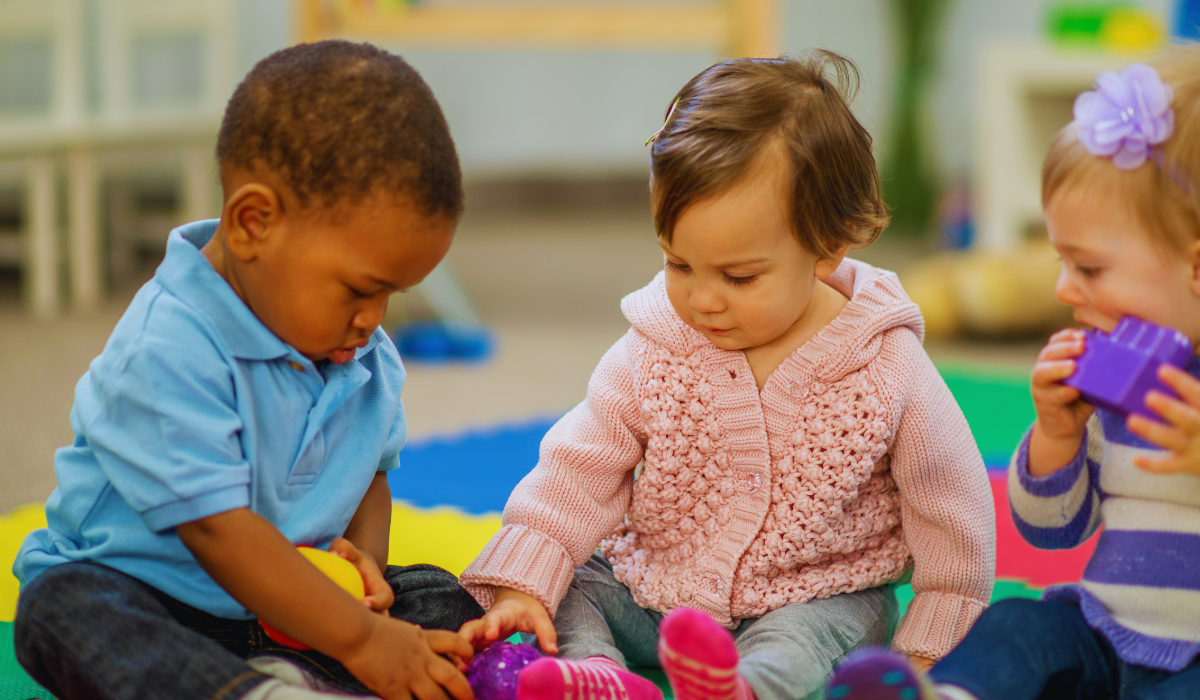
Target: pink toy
pixel 493 672
pixel 1116 370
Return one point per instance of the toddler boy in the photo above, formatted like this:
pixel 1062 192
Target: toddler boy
pixel 248 402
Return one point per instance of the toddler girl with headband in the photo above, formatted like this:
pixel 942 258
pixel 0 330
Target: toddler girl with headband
pixel 1119 191
pixel 767 449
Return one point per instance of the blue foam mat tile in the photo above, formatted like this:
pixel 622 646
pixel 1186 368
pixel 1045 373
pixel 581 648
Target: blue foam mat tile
pixel 474 471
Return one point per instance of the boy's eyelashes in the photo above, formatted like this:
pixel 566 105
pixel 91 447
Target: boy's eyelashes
pixel 358 293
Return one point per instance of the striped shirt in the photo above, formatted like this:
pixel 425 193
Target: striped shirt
pixel 1141 588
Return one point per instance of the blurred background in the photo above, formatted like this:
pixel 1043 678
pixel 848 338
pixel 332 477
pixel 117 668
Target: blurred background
pixel 109 108
pixel 108 115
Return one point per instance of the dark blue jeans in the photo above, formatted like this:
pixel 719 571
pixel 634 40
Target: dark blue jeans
pixel 88 631
pixel 1022 649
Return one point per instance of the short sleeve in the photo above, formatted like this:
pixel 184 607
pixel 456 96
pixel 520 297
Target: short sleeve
pixel 397 437
pixel 167 432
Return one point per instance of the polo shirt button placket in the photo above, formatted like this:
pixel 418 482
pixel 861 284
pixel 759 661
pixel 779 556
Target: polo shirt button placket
pixel 296 365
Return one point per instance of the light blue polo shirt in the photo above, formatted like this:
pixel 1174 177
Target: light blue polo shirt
pixel 195 408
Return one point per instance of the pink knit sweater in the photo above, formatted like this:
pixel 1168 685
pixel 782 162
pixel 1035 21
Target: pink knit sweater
pixel 853 463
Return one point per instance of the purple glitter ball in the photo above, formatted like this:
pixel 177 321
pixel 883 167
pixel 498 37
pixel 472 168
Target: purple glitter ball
pixel 493 672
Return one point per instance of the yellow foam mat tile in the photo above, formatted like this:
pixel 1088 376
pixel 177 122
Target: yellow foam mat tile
pixel 443 536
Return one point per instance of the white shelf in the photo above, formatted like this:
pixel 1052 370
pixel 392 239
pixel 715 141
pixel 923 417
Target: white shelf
pixel 1024 95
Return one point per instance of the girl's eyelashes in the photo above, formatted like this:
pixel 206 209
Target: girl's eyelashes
pixel 677 267
pixel 740 281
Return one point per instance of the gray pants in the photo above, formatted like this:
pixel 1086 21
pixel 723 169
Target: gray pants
pixel 785 655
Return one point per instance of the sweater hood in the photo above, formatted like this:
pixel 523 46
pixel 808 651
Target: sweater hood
pixel 877 304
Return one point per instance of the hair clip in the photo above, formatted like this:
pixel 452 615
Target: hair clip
pixel 665 121
pixel 1126 116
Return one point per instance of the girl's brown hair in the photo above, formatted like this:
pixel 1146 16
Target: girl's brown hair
pixel 1163 190
pixel 725 116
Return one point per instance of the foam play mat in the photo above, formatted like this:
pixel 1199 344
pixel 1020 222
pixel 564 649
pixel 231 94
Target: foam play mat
pixel 449 491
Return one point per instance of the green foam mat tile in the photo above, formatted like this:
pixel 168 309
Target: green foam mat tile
pixel 15 684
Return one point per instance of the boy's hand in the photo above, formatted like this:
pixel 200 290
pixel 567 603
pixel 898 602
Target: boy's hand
pixel 1061 414
pixel 400 661
pixel 379 592
pixel 1181 435
pixel 511 611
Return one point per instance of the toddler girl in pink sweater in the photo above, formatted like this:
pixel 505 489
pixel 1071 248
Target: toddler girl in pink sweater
pixel 767 449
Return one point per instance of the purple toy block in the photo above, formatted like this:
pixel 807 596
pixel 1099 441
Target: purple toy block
pixel 1116 370
pixel 493 672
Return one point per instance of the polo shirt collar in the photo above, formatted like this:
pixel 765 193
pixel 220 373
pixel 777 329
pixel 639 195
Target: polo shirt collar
pixel 187 274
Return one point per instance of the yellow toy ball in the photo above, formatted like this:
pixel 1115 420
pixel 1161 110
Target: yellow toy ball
pixel 339 570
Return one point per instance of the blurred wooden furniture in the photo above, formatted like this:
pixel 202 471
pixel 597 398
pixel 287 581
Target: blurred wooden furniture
pixel 1024 95
pixel 731 28
pixel 110 74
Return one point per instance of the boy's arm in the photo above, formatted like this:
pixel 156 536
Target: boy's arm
pixel 370 527
pixel 259 567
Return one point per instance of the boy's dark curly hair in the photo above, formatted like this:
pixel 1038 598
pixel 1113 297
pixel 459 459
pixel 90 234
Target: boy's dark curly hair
pixel 337 121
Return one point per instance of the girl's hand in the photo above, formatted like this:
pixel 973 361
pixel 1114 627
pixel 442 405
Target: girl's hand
pixel 511 611
pixel 921 663
pixel 1181 435
pixel 1061 414
pixel 379 592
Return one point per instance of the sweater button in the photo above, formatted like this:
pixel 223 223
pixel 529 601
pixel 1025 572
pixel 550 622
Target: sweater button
pixel 797 388
pixel 713 582
pixel 753 482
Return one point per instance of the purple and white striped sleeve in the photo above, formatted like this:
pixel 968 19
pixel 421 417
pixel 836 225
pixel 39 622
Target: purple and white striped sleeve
pixel 1061 510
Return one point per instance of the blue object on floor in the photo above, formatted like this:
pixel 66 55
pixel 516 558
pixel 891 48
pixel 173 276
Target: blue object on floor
pixel 436 342
pixel 1187 20
pixel 473 471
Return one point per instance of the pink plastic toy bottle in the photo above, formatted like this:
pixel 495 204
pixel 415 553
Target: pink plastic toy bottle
pixel 1117 369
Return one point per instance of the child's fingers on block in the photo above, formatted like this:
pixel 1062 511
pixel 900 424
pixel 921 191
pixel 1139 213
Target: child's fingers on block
pixel 1065 395
pixel 1164 436
pixel 1066 334
pixel 1175 412
pixel 1051 372
pixel 1182 382
pixel 1061 350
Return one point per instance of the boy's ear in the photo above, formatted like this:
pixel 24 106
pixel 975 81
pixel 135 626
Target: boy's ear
pixel 827 266
pixel 250 213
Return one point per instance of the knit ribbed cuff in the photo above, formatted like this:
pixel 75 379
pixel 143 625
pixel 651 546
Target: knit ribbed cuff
pixel 935 623
pixel 522 558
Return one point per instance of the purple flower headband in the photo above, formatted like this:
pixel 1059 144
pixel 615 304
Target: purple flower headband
pixel 1126 116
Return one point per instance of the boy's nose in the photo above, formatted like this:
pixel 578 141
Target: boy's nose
pixel 371 316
